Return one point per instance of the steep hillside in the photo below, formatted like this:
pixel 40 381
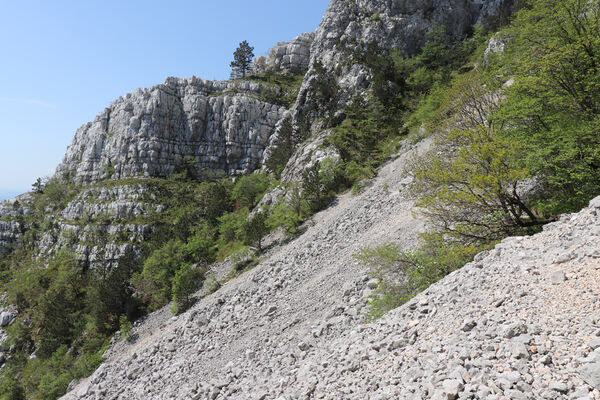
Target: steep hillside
pixel 390 132
pixel 246 338
pixel 519 322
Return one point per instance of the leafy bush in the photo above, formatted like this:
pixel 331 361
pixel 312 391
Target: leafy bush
pixel 255 229
pixel 185 284
pixel 155 281
pixel 553 107
pixel 283 147
pixel 231 226
pixel 249 189
pixel 286 216
pixel 125 327
pixel 468 187
pixel 403 274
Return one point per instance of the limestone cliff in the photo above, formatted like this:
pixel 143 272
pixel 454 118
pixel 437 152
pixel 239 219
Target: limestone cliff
pixel 151 132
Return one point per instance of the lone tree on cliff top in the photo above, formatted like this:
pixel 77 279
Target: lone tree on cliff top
pixel 242 58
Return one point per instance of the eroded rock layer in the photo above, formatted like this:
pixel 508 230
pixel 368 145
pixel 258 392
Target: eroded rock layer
pixel 183 123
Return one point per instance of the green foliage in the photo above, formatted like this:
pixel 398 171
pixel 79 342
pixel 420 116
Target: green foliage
pixel 281 90
pixel 256 229
pixel 331 176
pixel 553 106
pixel 125 327
pixel 231 226
pixel 290 213
pixel 312 188
pixel 325 89
pixel 374 17
pixel 403 274
pixel 283 147
pixel 467 186
pixel 109 170
pixel 243 259
pixel 185 284
pixel 360 135
pixel 110 294
pixel 249 189
pixel 11 389
pixel 200 247
pixel 57 192
pixel 60 306
pixel 38 186
pixel 212 284
pixel 155 281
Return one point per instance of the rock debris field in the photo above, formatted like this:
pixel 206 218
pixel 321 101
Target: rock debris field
pixel 522 321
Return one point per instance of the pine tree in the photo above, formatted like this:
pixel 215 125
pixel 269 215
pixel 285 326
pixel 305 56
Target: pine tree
pixel 242 58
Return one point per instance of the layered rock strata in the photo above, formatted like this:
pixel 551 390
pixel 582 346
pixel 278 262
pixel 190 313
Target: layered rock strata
pixel 183 123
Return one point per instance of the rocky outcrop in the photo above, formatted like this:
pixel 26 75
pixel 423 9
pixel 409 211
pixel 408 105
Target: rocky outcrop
pixel 12 225
pixel 184 123
pixel 286 58
pixel 101 224
pixel 349 27
pixel 348 30
pixel 496 45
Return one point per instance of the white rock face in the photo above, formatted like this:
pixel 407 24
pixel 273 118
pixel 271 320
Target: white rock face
pixel 287 58
pixel 215 125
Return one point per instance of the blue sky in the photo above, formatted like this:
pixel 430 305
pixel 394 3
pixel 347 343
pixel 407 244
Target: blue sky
pixel 62 62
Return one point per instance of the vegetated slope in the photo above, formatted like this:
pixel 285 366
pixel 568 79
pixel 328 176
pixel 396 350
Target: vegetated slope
pixel 248 338
pixel 521 321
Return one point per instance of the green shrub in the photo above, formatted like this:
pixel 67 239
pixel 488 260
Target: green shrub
pixel 155 281
pixel 185 283
pixel 553 107
pixel 284 215
pixel 403 274
pixel 125 327
pixel 283 147
pixel 231 226
pixel 255 229
pixel 249 189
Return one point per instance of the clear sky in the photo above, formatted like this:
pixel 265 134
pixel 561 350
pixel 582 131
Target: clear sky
pixel 62 62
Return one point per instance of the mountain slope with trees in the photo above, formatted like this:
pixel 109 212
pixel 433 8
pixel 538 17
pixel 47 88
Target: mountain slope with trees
pixel 491 120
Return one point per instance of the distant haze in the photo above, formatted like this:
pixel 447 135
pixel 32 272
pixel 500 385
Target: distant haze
pixel 64 61
pixel 9 194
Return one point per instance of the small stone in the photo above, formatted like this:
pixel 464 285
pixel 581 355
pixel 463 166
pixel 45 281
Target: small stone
pixel 557 277
pixel 468 325
pixel 590 373
pixel 515 329
pixel 452 387
pixel 546 359
pixel 271 310
pixel 303 346
pixel 594 344
pixel 558 386
pixel 519 350
pixel 6 319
